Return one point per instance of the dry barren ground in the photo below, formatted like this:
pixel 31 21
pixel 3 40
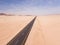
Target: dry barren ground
pixel 45 31
pixel 11 25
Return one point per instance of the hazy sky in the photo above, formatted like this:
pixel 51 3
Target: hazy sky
pixel 33 7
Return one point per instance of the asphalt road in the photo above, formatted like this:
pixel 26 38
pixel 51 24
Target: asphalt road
pixel 21 37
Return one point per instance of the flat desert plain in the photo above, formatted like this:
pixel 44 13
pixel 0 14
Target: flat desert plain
pixel 11 25
pixel 45 31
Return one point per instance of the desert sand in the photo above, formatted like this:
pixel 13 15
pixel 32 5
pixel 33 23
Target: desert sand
pixel 45 31
pixel 11 25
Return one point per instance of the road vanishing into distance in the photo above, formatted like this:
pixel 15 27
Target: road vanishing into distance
pixel 21 37
pixel 30 30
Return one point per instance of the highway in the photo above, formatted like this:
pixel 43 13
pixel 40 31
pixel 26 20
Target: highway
pixel 21 37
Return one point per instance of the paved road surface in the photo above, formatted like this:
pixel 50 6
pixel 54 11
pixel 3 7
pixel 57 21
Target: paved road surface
pixel 21 37
pixel 11 25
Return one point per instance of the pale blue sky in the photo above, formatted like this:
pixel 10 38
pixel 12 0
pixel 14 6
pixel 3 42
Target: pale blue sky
pixel 33 7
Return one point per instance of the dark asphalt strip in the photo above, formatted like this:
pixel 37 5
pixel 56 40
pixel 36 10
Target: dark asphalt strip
pixel 21 37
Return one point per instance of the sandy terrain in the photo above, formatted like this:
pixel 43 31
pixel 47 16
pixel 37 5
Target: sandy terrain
pixel 45 31
pixel 11 25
